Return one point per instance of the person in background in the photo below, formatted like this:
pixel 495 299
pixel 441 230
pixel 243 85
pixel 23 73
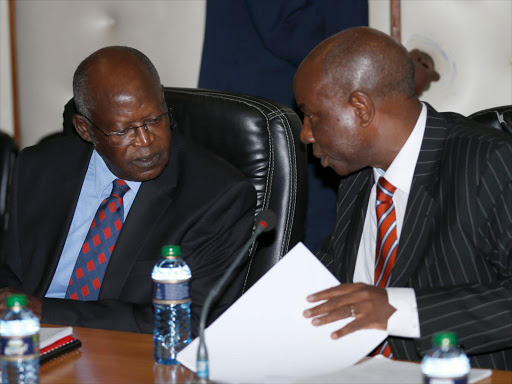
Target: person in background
pixel 424 70
pixel 423 237
pixel 255 47
pixel 89 213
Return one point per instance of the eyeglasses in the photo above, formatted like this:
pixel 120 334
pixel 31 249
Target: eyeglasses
pixel 126 136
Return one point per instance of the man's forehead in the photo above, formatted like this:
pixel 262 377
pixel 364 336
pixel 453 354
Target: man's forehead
pixel 307 83
pixel 307 75
pixel 119 88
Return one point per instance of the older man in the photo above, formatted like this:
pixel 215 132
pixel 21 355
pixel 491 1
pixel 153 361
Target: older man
pixel 151 188
pixel 423 238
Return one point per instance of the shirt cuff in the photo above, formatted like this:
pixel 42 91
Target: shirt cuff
pixel 404 322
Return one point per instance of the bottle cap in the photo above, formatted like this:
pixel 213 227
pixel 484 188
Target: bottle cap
pixel 15 300
pixel 444 339
pixel 171 250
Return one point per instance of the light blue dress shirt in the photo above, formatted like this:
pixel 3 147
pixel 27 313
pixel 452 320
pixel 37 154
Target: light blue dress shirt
pixel 96 187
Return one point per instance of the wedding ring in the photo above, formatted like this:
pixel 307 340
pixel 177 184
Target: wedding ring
pixel 352 311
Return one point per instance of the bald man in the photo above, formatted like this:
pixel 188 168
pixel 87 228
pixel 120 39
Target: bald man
pixel 423 238
pixel 151 187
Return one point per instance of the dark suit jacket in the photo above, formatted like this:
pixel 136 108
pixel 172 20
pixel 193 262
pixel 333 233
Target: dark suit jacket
pixel 255 46
pixel 456 242
pixel 199 202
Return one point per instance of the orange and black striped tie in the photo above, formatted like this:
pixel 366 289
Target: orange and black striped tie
pixel 387 244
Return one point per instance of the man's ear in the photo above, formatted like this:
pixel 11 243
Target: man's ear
pixel 363 105
pixel 81 126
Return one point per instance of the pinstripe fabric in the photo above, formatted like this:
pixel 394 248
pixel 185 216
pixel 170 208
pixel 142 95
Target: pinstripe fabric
pixel 456 241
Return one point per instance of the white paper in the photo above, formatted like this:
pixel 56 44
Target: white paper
pixel 264 334
pixel 380 370
pixel 49 336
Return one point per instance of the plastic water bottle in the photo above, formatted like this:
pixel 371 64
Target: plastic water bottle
pixel 171 300
pixel 19 342
pixel 446 363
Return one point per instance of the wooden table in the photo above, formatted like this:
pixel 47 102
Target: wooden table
pixel 122 357
pixel 111 357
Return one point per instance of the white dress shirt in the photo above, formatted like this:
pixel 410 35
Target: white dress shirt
pixel 404 322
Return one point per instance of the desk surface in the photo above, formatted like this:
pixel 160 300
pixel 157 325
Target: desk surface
pixel 110 357
pixel 122 357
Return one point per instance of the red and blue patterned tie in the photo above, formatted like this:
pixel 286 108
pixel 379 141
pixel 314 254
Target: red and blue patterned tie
pixel 387 244
pixel 90 267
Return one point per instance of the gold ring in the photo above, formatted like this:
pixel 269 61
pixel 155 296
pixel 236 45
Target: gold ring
pixel 352 311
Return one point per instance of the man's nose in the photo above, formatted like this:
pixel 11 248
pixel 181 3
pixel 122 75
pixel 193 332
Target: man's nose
pixel 144 136
pixel 306 136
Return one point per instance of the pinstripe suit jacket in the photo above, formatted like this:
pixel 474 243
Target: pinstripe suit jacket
pixel 456 242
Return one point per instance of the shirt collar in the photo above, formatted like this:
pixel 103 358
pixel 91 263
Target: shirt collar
pixel 103 177
pixel 401 170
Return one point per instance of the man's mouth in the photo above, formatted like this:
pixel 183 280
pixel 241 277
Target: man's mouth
pixel 146 162
pixel 323 158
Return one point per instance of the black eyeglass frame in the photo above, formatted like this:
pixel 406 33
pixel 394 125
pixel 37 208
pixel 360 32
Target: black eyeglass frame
pixel 123 132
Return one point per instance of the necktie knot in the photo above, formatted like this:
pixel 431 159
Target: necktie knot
pixel 385 190
pixel 119 188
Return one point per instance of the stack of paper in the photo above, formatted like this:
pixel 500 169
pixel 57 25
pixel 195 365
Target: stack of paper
pixel 264 334
pixel 380 370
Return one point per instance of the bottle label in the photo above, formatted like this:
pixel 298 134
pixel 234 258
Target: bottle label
pixel 16 347
pixel 438 380
pixel 202 370
pixel 171 293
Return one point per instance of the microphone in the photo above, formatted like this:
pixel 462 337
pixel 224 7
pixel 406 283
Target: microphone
pixel 265 222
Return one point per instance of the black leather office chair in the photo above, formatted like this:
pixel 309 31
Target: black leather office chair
pixel 261 139
pixel 498 117
pixel 8 152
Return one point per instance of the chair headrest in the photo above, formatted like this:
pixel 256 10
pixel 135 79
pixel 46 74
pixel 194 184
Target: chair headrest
pixel 498 117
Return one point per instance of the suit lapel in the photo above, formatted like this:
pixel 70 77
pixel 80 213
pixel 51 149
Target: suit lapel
pixel 353 211
pixel 151 202
pixel 419 214
pixel 69 183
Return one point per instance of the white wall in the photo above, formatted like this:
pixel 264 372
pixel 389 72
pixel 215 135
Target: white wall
pixel 53 36
pixel 6 111
pixel 470 42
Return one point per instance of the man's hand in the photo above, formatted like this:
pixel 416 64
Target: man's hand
pixel 369 304
pixel 33 303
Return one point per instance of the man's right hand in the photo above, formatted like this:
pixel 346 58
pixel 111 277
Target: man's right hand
pixel 33 303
